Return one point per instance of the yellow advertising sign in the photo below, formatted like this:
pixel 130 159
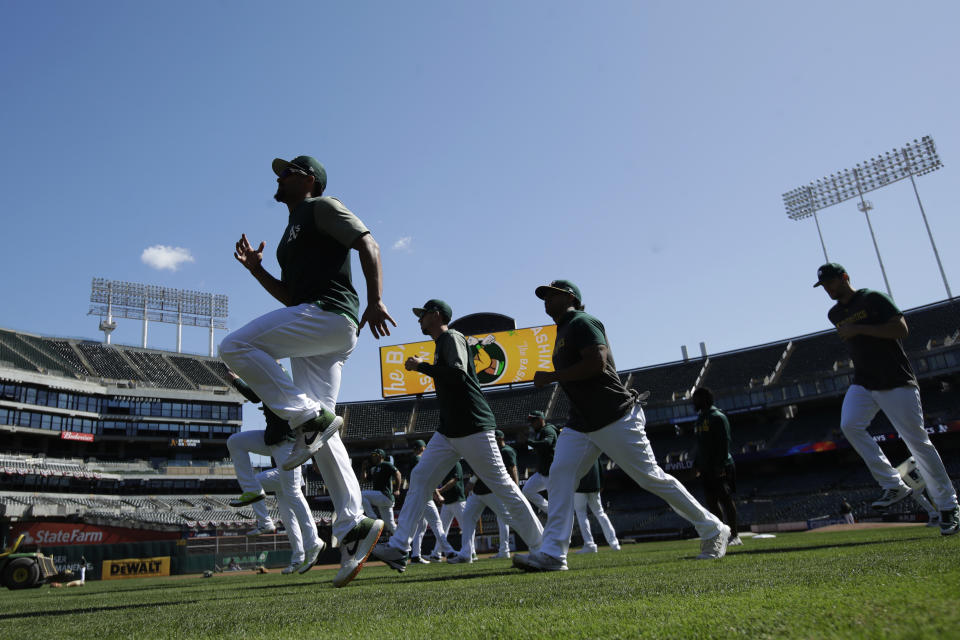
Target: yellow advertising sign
pixel 504 357
pixel 136 568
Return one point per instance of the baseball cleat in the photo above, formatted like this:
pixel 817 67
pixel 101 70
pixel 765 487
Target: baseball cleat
pixel 311 556
pixel 311 437
pixel 261 529
pixel 933 519
pixel 735 541
pixel 293 566
pixel 502 554
pixel 437 556
pixel 715 547
pixel 355 548
pixel 588 549
pixel 891 497
pixel 458 559
pixel 418 560
pixel 950 522
pixel 537 561
pixel 248 497
pixel 391 556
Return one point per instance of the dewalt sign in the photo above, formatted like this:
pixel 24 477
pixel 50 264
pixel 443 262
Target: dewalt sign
pixel 136 568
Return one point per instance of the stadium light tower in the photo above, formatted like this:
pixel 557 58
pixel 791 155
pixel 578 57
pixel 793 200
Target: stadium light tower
pixel 913 159
pixel 109 298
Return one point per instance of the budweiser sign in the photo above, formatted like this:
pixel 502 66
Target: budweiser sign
pixel 73 435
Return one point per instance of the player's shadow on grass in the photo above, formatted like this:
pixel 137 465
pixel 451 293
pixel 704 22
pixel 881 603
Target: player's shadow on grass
pixel 817 547
pixel 120 607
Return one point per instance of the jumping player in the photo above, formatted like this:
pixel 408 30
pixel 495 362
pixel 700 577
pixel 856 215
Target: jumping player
pixel 466 430
pixel 605 417
pixel 883 380
pixel 317 329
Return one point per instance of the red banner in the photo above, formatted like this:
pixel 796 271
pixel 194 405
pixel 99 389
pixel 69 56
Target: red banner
pixel 56 534
pixel 73 435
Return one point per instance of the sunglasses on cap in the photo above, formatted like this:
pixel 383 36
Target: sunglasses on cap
pixel 292 169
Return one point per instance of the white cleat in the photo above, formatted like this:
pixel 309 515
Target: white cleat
pixel 311 556
pixel 309 442
pixel 536 561
pixel 891 497
pixel 715 547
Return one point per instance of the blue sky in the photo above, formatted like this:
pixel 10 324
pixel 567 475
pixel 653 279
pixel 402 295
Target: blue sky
pixel 639 149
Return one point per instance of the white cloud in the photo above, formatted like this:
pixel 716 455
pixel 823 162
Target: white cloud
pixel 403 244
pixel 163 257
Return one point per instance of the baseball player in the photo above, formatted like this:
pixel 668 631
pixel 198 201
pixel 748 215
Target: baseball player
pixel 605 417
pixel 466 430
pixel 431 518
pixel 317 329
pixel 543 443
pixel 872 327
pixel 453 497
pixel 386 487
pixel 276 442
pixel 714 462
pixel 588 495
pixel 481 498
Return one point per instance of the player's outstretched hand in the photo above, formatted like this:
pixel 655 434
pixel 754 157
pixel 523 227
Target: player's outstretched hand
pixel 246 254
pixel 377 315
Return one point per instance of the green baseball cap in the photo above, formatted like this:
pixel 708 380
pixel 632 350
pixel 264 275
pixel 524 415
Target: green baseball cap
pixel 379 452
pixel 419 444
pixel 564 286
pixel 536 414
pixel 434 305
pixel 828 271
pixel 306 165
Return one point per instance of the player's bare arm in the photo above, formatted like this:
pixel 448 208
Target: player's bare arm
pixel 252 259
pixel 893 329
pixel 397 481
pixel 376 312
pixel 593 359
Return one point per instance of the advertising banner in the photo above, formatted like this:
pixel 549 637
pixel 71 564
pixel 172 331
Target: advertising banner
pixel 70 533
pixel 79 437
pixel 504 357
pixel 136 568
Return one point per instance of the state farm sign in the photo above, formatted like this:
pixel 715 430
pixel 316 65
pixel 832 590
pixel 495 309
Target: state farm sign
pixel 55 534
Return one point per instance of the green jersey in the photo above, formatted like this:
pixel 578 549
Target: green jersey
pixel 509 456
pixel 463 408
pixel 383 475
pixel 597 401
pixel 713 441
pixel 592 480
pixel 456 492
pixel 878 363
pixel 314 256
pixel 544 444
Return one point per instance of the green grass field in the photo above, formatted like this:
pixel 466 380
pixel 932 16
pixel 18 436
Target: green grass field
pixel 881 583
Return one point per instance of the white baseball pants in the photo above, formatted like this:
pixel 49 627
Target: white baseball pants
pixel 376 504
pixel 902 407
pixel 297 518
pixel 431 517
pixel 294 510
pixel 532 488
pixel 481 453
pixel 318 344
pixel 472 511
pixel 592 500
pixel 451 511
pixel 625 442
